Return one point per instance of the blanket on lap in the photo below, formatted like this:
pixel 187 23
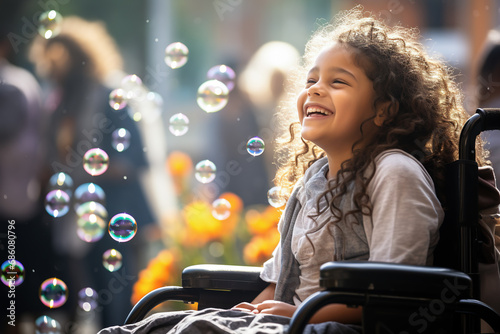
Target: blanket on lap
pixel 217 321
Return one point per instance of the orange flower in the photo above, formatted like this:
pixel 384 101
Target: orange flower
pixel 260 223
pixel 202 226
pixel 179 164
pixel 261 247
pixel 160 271
pixel 235 201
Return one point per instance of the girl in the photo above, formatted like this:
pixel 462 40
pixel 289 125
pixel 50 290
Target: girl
pixel 376 120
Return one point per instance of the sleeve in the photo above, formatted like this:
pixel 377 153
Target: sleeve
pixel 271 269
pixel 406 213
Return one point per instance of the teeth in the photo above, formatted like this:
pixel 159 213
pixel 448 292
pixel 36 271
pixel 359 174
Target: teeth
pixel 311 110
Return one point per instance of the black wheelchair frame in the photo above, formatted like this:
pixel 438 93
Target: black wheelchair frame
pixel 396 298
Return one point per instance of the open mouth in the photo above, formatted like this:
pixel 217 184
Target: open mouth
pixel 315 111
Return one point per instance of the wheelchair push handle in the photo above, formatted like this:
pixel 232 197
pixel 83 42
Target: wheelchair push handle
pixel 491 118
pixel 484 119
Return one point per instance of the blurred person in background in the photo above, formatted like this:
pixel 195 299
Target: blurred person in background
pixel 76 64
pixel 21 151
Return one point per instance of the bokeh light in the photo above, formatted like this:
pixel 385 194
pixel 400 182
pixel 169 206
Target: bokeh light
pixel 57 203
pixel 255 146
pixel 179 124
pixel 212 96
pixel 176 55
pixel 53 292
pixel 95 161
pixel 122 227
pixel 112 260
pixel 205 171
pixel 12 273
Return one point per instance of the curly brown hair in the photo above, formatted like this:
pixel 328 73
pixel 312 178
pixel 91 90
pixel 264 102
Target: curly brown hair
pixel 425 113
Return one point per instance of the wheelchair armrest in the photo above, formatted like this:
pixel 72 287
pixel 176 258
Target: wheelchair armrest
pixel 394 279
pixel 223 277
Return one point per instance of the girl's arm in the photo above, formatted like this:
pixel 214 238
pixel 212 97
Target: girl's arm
pixel 266 294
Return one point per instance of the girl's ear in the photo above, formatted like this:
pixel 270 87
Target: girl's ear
pixel 385 110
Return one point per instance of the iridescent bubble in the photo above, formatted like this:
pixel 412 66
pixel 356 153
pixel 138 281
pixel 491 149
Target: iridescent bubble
pixel 49 24
pixel 53 292
pixel 112 260
pixel 95 161
pixel 179 124
pixel 224 74
pixel 61 181
pixel 122 227
pixel 120 139
pixel 92 207
pixel 275 198
pixel 89 192
pixel 90 227
pixel 133 87
pixel 118 99
pixel 221 209
pixel 212 96
pixel 87 299
pixel 57 203
pixel 255 146
pixel 205 171
pixel 12 273
pixel 176 55
pixel 47 325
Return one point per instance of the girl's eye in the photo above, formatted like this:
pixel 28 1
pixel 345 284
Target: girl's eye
pixel 310 82
pixel 339 82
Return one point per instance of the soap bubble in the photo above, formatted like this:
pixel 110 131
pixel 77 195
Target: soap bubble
pixel 91 207
pixel 87 299
pixel 61 181
pixel 57 203
pixel 89 192
pixel 224 74
pixel 274 197
pixel 90 227
pixel 122 227
pixel 118 99
pixel 12 273
pixel 176 55
pixel 112 260
pixel 212 96
pixel 179 124
pixel 255 146
pixel 47 325
pixel 221 209
pixel 49 24
pixel 53 292
pixel 205 171
pixel 120 139
pixel 132 87
pixel 95 161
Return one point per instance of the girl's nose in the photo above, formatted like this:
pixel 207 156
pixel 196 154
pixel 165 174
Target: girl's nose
pixel 315 89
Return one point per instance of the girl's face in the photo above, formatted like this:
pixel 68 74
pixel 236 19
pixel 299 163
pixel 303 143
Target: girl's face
pixel 336 99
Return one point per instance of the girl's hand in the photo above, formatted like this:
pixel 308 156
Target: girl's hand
pixel 275 307
pixel 244 307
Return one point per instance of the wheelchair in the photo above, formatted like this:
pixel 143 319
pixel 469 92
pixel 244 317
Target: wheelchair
pixel 395 298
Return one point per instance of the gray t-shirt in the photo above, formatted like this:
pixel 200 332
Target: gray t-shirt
pixel 403 226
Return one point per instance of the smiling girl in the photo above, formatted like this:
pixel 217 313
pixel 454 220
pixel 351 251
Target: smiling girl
pixel 377 121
